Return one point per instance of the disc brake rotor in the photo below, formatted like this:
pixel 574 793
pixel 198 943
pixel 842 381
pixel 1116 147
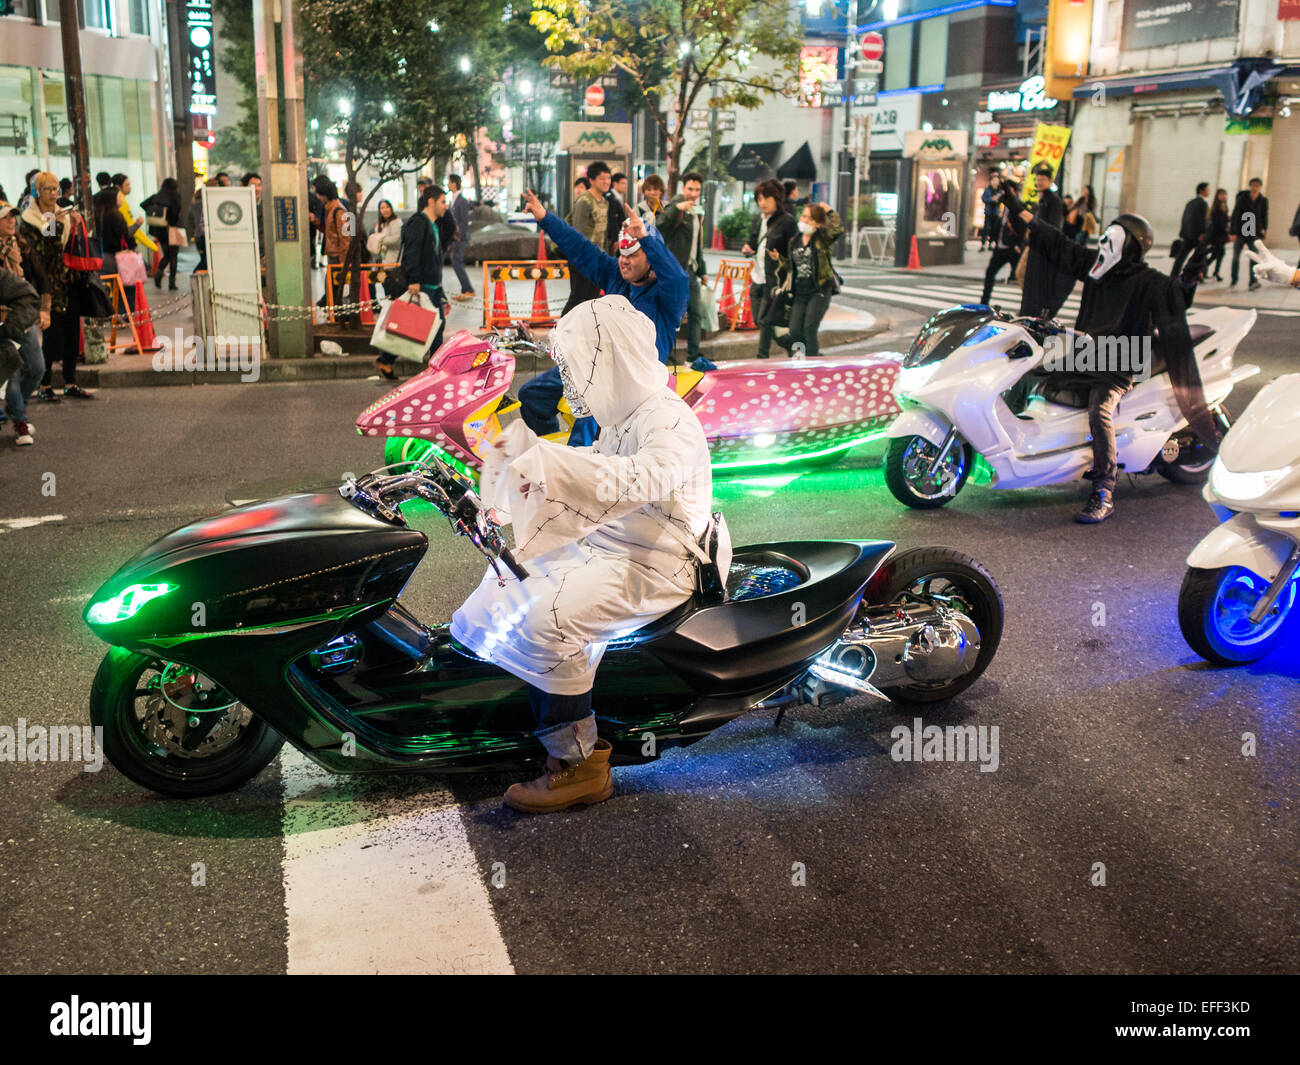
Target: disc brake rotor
pixel 181 706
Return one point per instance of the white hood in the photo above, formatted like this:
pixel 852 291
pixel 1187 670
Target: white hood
pixel 607 350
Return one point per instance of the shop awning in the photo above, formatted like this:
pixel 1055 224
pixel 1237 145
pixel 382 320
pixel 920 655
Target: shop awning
pixel 800 166
pixel 700 160
pixel 755 161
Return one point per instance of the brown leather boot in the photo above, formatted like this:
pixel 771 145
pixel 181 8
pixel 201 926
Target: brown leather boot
pixel 563 786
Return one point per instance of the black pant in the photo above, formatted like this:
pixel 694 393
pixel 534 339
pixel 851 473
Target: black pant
pixel 551 709
pixel 1215 258
pixel 388 358
pixel 1102 401
pixel 1188 246
pixel 806 312
pixel 1002 256
pixel 60 344
pixel 169 254
pixel 201 243
pixel 580 291
pixel 1237 245
pixel 761 298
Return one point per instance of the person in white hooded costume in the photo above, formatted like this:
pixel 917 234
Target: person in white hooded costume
pixel 608 533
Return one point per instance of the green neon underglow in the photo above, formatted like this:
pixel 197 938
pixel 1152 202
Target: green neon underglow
pixel 126 603
pixel 803 456
pixel 398 449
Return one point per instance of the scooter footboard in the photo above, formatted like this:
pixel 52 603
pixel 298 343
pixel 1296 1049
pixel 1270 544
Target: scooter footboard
pixel 1240 541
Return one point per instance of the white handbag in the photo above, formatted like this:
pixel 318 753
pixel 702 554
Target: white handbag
pixel 708 310
pixel 400 346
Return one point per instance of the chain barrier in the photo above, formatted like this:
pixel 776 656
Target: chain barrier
pixel 292 312
pixel 162 309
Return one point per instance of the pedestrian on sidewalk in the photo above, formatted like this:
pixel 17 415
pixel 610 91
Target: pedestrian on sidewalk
pixel 812 276
pixel 1046 287
pixel 1081 217
pixel 1217 237
pixel 991 198
pixel 1007 248
pixel 590 217
pixel 1193 229
pixel 682 225
pixel 769 241
pixel 17 260
pixel 46 228
pixel 652 198
pixel 1248 223
pixel 460 216
pixel 422 247
pixel 335 225
pixel 165 204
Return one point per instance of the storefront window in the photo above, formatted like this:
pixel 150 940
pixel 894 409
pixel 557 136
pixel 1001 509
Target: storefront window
pixel 139 16
pixel 938 199
pixel 17 116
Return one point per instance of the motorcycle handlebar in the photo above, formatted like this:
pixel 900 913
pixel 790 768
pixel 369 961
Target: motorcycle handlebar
pixel 512 565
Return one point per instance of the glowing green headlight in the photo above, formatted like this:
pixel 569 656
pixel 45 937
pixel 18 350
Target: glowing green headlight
pixel 126 603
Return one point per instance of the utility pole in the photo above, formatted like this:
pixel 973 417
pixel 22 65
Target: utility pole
pixel 284 173
pixel 848 162
pixel 74 91
pixel 713 169
pixel 182 122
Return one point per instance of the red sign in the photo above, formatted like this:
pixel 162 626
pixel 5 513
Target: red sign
pixel 595 96
pixel 873 45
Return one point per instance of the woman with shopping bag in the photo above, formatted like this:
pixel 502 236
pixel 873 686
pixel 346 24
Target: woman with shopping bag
pixel 421 260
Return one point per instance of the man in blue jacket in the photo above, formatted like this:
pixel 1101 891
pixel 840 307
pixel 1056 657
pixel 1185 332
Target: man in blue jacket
pixel 644 271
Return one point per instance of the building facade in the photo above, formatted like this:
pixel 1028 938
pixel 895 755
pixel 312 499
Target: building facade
pixel 125 65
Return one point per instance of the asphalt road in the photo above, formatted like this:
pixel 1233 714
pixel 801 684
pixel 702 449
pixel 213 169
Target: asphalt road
pixel 1117 746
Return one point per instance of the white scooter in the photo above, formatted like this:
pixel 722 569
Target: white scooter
pixel 970 366
pixel 1241 584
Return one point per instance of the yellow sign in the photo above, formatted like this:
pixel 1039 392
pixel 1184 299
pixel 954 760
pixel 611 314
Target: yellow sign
pixel 1049 148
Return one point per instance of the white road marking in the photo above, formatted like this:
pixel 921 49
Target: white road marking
pixel 377 883
pixel 241 502
pixel 1282 314
pixel 10 524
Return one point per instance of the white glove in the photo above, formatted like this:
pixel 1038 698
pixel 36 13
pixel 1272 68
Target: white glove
pixel 1269 267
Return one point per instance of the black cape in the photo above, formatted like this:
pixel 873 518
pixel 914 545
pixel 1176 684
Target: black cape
pixel 1134 300
pixel 1046 286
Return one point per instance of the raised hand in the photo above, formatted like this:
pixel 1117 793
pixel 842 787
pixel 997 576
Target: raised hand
pixel 533 205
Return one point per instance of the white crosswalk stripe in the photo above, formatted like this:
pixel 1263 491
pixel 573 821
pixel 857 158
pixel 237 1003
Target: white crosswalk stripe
pixel 938 295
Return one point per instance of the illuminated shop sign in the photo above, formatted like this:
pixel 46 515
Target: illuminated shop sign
pixel 202 75
pixel 1031 96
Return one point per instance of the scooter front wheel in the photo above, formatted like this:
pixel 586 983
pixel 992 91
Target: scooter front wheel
pixel 173 731
pixel 907 471
pixel 1214 607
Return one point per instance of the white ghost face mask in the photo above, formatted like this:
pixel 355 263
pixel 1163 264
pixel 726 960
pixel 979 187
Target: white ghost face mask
pixel 572 392
pixel 1109 250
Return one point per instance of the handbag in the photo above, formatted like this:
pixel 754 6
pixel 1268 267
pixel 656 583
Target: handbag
pixel 177 237
pixel 130 268
pixel 91 298
pixel 82 252
pixel 708 310
pixel 406 327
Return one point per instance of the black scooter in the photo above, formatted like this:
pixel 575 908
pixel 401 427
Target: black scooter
pixel 281 620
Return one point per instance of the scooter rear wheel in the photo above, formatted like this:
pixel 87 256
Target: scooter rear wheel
pixel 1192 466
pixel 145 733
pixel 955 580
pixel 906 460
pixel 1214 608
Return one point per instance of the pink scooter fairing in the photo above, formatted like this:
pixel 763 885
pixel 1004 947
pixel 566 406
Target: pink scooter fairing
pixel 755 412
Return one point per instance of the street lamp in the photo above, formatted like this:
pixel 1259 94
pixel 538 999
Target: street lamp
pixel 545 112
pixel 526 88
pixel 464 64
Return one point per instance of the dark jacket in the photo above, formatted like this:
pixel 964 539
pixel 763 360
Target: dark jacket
pixel 677 225
pixel 1246 206
pixel 168 204
pixel 663 301
pixel 422 252
pixel 1195 220
pixel 781 228
pixel 19 306
pixel 1046 287
pixel 823 240
pixel 614 223
pixel 1218 224
pixel 47 249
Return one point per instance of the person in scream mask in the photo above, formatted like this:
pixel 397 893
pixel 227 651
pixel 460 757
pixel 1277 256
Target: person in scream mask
pixel 1122 297
pixel 609 534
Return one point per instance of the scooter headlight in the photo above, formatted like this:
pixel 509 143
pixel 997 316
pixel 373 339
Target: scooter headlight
pixel 912 379
pixel 571 393
pixel 1228 484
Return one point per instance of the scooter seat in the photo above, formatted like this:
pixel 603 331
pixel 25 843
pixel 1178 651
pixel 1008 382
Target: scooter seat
pixel 789 602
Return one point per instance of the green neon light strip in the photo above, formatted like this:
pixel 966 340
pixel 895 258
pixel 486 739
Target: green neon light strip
pixel 127 603
pixel 786 460
pixel 409 449
pixel 339 614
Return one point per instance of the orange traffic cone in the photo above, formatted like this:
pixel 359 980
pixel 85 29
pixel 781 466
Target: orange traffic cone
pixel 727 304
pixel 143 318
pixel 541 247
pixel 367 309
pixel 746 314
pixel 500 308
pixel 718 243
pixel 914 256
pixel 541 308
